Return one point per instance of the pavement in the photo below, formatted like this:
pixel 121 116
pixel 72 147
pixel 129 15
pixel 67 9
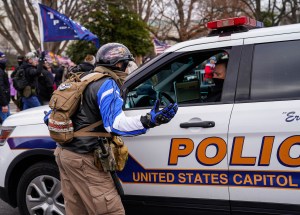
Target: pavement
pixel 6 209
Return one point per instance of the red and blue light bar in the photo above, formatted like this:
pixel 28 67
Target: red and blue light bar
pixel 236 21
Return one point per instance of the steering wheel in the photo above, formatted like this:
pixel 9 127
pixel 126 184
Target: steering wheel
pixel 144 101
pixel 165 98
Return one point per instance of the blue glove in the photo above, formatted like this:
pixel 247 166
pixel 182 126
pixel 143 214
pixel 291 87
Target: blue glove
pixel 46 117
pixel 157 117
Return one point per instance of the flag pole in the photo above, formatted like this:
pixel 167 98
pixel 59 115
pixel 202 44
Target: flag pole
pixel 155 52
pixel 40 24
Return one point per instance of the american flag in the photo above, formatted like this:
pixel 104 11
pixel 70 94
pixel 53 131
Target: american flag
pixel 159 46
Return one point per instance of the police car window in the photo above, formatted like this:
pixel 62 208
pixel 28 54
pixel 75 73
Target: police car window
pixel 184 80
pixel 275 71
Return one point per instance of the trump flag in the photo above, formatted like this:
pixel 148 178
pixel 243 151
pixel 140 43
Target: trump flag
pixel 55 26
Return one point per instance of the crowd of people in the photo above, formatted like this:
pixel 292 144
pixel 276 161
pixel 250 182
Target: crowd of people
pixel 4 89
pixel 34 79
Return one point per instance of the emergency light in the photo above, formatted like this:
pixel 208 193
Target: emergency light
pixel 236 21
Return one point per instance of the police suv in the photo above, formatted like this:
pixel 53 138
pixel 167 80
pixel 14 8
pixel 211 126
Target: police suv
pixel 236 153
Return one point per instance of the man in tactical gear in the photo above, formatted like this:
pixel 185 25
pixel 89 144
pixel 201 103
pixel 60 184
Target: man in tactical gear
pixel 87 189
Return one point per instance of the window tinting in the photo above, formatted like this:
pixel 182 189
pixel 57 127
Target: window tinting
pixel 182 80
pixel 276 71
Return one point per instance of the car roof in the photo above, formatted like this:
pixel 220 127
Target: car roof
pixel 258 32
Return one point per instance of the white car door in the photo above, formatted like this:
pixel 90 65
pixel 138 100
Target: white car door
pixel 264 134
pixel 186 158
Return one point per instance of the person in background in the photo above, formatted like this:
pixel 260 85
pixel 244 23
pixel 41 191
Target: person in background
pixel 58 72
pixel 45 84
pixel 4 89
pixel 18 100
pixel 87 65
pixel 13 92
pixel 65 67
pixel 20 60
pixel 51 73
pixel 209 68
pixel 33 69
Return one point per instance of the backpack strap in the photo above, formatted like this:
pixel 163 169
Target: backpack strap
pixel 86 131
pixel 75 76
pixel 99 72
pixel 101 69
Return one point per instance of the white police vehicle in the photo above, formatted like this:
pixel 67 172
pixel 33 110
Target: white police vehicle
pixel 239 154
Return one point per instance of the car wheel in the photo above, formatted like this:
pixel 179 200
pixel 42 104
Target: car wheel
pixel 39 191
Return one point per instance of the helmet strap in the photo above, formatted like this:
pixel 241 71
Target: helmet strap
pixel 124 65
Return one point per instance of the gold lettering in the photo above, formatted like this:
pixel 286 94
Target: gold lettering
pixel 224 179
pixel 285 181
pixel 135 176
pixel 170 177
pixel 257 178
pixel 235 179
pixel 198 179
pixel 291 182
pixel 215 179
pixel 248 179
pixel 181 178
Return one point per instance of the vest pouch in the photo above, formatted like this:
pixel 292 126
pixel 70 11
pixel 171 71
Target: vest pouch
pixel 105 162
pixel 120 152
pixel 121 156
pixel 60 127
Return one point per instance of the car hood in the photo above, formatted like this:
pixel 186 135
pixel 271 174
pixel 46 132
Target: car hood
pixel 27 117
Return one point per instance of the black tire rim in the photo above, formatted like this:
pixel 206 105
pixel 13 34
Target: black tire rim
pixel 44 196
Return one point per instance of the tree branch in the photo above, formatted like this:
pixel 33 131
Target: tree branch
pixel 6 34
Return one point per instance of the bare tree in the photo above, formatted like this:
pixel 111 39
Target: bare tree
pixel 177 20
pixel 181 20
pixel 144 8
pixel 292 14
pixel 19 22
pixel 272 12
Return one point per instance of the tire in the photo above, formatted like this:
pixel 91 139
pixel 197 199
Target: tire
pixel 39 191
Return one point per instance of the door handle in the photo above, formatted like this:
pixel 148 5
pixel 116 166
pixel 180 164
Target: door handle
pixel 204 124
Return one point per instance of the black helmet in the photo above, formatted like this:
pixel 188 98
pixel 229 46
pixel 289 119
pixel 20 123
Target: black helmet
pixel 20 58
pixel 112 53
